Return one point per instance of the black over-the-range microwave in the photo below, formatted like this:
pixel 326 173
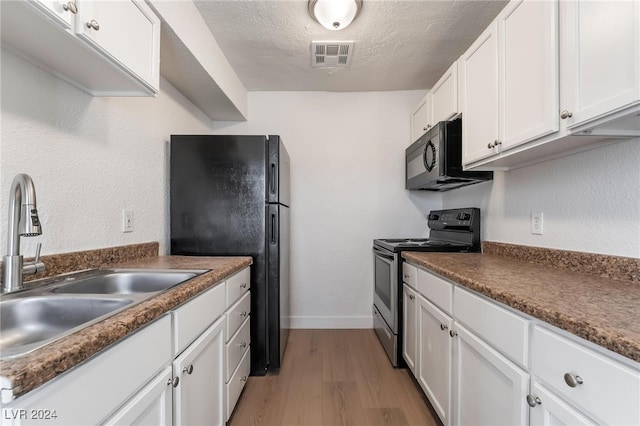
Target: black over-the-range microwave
pixel 434 161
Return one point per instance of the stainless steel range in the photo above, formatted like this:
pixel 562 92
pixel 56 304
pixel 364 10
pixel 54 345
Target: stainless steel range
pixel 453 230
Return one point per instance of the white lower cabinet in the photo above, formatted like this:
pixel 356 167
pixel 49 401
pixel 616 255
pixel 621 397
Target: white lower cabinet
pixel 152 405
pixel 549 410
pixel 483 363
pixel 410 329
pixel 89 393
pixel 489 389
pixel 198 394
pixel 434 359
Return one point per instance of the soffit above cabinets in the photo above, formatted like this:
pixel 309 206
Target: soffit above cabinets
pixel 192 61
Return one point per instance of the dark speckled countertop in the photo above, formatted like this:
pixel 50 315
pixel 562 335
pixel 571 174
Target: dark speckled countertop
pixel 599 309
pixel 35 368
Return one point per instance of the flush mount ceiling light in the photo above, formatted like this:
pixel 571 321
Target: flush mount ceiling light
pixel 334 14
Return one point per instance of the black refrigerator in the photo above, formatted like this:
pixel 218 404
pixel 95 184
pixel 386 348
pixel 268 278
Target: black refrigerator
pixel 230 197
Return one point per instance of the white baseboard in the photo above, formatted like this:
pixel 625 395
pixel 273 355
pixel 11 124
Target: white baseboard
pixel 331 322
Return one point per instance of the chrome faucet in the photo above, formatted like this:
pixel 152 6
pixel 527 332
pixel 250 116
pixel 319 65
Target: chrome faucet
pixel 23 221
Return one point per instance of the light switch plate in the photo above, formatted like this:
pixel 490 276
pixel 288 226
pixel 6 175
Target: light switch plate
pixel 127 221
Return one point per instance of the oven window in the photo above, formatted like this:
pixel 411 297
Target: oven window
pixel 383 281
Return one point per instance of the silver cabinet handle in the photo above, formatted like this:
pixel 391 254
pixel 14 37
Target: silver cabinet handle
pixel 443 327
pixel 174 382
pixel 188 369
pixel 566 114
pixel 572 380
pixel 243 345
pixel 70 7
pixel 453 333
pixel 533 400
pixel 93 25
pixel 411 296
pixel 243 378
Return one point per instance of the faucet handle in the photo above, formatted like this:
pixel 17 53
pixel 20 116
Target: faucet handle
pixel 36 265
pixel 38 248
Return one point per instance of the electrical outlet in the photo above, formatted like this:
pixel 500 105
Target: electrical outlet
pixel 127 221
pixel 536 223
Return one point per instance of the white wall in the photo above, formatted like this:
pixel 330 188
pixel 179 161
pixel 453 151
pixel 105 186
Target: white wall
pixel 347 180
pixel 90 158
pixel 590 202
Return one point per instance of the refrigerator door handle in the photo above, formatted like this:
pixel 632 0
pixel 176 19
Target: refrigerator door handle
pixel 274 230
pixel 272 179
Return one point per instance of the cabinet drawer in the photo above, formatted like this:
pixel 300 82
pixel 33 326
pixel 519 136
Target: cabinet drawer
pixel 436 289
pixel 191 319
pixel 237 382
pixel 238 345
pixel 609 391
pixel 410 275
pixel 237 285
pixel 236 315
pixel 506 331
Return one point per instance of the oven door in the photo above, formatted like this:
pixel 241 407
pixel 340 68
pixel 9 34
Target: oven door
pixel 386 286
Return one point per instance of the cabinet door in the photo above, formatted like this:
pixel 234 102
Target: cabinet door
pixel 420 119
pixel 444 96
pixel 552 411
pixel 199 396
pixel 479 96
pixel 600 57
pixel 434 357
pixel 410 328
pixel 61 12
pixel 528 76
pixel 125 31
pixel 151 406
pixel 490 389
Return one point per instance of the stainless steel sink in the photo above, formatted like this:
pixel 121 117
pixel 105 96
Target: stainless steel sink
pixel 29 322
pixel 55 307
pixel 126 282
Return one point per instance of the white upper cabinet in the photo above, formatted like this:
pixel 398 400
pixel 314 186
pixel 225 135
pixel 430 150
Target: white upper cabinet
pixel 444 96
pixel 528 71
pixel 600 60
pixel 550 78
pixel 106 48
pixel 125 31
pixel 420 118
pixel 479 96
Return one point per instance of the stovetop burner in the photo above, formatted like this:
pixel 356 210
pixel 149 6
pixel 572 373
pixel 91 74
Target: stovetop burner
pixel 419 244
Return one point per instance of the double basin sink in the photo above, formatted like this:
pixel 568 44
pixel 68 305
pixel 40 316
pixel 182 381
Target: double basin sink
pixel 54 308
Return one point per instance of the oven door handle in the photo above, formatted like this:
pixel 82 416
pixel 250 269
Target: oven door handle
pixel 382 253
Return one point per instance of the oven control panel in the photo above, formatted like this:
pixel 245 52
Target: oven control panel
pixel 453 219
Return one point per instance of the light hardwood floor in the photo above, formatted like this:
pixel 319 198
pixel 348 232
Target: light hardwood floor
pixel 333 377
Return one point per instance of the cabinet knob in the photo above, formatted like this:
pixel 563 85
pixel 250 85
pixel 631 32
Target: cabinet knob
pixel 188 369
pixel 243 378
pixel 70 7
pixel 243 285
pixel 453 333
pixel 411 296
pixel 497 142
pixel 566 114
pixel 533 400
pixel 243 314
pixel 243 345
pixel 443 327
pixel 490 145
pixel 173 382
pixel 572 380
pixel 406 275
pixel 93 25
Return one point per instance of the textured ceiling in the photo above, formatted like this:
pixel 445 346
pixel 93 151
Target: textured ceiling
pixel 399 45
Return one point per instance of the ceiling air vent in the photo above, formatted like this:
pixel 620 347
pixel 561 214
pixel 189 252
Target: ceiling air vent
pixel 331 53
